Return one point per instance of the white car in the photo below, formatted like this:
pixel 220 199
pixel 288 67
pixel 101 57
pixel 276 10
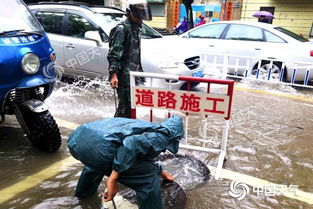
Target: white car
pixel 79 35
pixel 254 41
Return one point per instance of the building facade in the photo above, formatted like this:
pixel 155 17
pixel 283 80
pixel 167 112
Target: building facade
pixel 167 13
pixel 160 10
pixel 296 16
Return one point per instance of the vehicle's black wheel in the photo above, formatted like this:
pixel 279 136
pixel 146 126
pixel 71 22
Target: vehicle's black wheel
pixel 264 69
pixel 44 132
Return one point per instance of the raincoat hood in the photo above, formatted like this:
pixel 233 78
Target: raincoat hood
pixel 174 125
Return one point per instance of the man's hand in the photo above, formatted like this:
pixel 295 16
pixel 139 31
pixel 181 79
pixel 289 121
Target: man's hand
pixel 112 187
pixel 167 177
pixel 114 81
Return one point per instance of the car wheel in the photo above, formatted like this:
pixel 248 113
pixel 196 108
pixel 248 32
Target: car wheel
pixel 265 68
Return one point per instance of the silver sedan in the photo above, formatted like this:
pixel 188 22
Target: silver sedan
pixel 254 48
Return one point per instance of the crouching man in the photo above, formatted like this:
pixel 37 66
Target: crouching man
pixel 123 149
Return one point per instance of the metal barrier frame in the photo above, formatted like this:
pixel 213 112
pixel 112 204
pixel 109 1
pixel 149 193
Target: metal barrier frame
pixel 230 89
pixel 308 66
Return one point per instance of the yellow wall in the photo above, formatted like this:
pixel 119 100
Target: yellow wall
pixel 295 15
pixel 157 22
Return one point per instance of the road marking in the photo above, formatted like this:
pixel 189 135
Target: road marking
pixel 300 98
pixel 253 181
pixel 31 181
pixel 66 124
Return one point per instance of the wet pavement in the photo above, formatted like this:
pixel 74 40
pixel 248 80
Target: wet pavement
pixel 270 138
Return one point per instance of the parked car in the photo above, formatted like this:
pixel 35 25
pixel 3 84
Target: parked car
pixel 257 41
pixel 27 75
pixel 79 35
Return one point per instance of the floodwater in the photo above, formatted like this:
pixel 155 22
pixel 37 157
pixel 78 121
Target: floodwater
pixel 270 138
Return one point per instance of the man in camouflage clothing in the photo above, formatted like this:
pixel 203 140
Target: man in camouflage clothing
pixel 124 53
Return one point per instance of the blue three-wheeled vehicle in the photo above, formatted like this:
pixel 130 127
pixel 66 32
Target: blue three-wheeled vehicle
pixel 27 75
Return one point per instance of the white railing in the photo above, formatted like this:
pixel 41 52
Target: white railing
pixel 266 69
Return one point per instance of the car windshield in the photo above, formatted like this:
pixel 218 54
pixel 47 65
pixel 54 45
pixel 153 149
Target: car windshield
pixel 15 17
pixel 291 34
pixel 109 21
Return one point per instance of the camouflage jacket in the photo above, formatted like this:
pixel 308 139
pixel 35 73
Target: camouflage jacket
pixel 124 51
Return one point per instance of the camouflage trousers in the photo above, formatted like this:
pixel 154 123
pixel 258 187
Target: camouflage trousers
pixel 124 103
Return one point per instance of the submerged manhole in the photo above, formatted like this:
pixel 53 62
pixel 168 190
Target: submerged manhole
pixel 188 172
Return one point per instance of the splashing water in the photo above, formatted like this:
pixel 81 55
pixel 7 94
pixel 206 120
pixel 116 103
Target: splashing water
pixel 84 98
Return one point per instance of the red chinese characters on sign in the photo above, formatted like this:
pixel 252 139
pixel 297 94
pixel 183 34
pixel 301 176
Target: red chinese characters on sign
pixel 144 97
pixel 190 103
pixel 185 101
pixel 214 110
pixel 167 99
pixel 175 13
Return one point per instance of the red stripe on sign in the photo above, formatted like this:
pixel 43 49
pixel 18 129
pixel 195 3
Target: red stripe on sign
pixel 207 80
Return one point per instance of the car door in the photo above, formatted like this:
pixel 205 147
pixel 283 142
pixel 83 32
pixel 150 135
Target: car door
pixel 251 43
pixel 240 42
pixel 83 56
pixel 206 39
pixel 52 22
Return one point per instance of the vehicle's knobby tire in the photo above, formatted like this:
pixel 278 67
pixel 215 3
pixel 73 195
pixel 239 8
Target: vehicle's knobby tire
pixel 44 132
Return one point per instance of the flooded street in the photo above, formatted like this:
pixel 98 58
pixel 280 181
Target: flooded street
pixel 270 138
